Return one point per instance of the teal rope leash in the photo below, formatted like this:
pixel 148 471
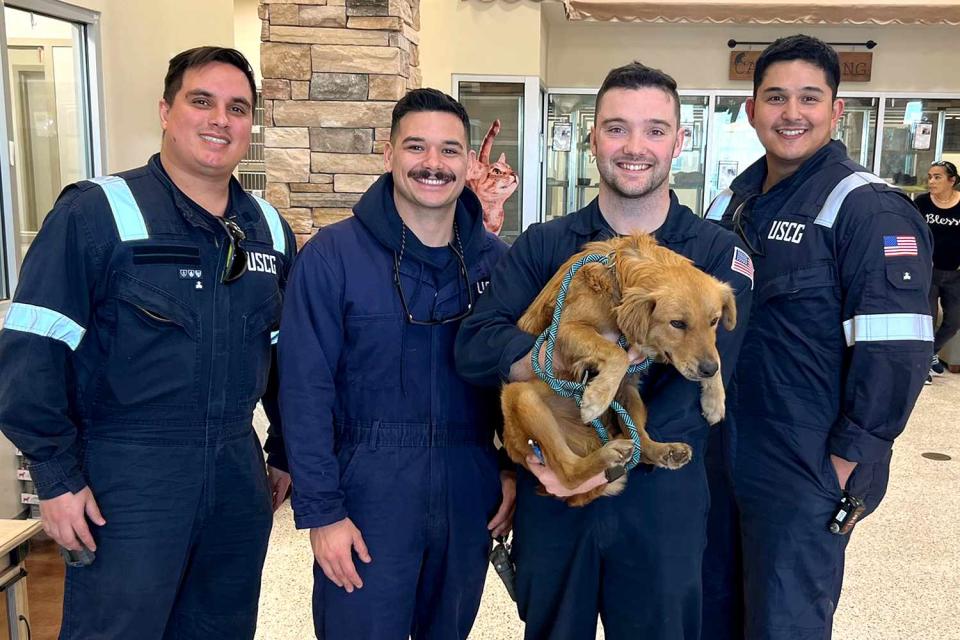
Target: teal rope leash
pixel 570 389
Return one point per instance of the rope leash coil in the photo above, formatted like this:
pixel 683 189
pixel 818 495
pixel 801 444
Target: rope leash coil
pixel 569 388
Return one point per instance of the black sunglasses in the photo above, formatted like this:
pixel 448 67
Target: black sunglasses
pixel 236 264
pixel 741 222
pixel 457 251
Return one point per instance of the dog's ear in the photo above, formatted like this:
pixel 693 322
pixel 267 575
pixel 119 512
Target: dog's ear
pixel 598 277
pixel 729 309
pixel 633 314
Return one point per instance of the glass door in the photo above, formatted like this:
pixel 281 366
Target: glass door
pixel 507 178
pixel 51 136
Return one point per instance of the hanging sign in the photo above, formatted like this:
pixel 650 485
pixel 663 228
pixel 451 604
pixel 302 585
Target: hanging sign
pixel 855 66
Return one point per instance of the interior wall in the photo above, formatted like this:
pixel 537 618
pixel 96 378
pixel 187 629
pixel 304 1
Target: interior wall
pixel 138 38
pixel 472 36
pixel 580 53
pixel 246 32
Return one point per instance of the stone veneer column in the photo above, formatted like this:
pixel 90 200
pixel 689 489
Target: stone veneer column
pixel 332 71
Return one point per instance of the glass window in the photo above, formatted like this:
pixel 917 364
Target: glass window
pixel 486 102
pixel 572 179
pixel 734 142
pixel 686 177
pixel 917 131
pixel 46 67
pixel 857 129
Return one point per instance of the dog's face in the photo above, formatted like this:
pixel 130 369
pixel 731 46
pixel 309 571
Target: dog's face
pixel 674 311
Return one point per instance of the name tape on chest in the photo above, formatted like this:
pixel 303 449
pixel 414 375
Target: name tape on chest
pixel 261 262
pixel 787 231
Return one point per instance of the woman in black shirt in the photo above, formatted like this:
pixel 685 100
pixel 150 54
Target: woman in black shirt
pixel 941 207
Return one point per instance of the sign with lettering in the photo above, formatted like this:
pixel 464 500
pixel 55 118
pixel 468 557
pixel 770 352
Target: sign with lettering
pixel 854 66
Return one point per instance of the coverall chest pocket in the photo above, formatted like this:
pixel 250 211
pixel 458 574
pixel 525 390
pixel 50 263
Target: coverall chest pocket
pixel 373 350
pixel 154 358
pixel 804 303
pixel 258 327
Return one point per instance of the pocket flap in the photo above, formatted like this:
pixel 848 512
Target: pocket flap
pixel 265 317
pixel 155 303
pixel 904 274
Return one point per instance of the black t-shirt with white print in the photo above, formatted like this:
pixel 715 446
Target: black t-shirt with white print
pixel 945 226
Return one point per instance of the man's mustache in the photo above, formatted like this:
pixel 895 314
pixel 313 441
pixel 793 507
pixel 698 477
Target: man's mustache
pixel 426 174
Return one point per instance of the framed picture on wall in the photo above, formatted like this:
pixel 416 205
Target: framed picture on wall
pixel 687 128
pixel 726 172
pixel 921 135
pixel 562 133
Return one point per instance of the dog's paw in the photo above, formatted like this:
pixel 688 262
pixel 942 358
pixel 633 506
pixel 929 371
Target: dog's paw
pixel 618 451
pixel 673 455
pixel 596 399
pixel 713 406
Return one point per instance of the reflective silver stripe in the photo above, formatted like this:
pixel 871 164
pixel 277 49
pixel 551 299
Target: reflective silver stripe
pixel 274 336
pixel 882 327
pixel 44 322
pixel 719 205
pixel 126 211
pixel 828 213
pixel 273 221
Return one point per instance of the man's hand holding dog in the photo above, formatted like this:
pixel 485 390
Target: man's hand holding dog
pixel 333 547
pixel 553 485
pixel 522 369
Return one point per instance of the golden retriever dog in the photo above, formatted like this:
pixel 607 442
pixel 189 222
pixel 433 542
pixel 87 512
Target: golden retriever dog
pixel 661 304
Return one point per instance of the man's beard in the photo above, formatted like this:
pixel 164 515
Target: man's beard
pixel 654 179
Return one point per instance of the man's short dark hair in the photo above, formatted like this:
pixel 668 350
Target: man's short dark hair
pixel 639 76
pixel 200 57
pixel 421 100
pixel 800 47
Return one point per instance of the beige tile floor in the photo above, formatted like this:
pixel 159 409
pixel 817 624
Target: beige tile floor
pixel 903 564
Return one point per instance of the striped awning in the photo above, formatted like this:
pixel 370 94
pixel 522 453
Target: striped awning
pixel 878 12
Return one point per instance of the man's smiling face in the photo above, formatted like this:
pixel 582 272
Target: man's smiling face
pixel 428 156
pixel 794 114
pixel 207 127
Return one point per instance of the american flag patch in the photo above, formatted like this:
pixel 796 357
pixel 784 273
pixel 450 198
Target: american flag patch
pixel 742 264
pixel 899 246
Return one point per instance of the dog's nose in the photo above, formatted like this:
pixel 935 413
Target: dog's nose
pixel 707 368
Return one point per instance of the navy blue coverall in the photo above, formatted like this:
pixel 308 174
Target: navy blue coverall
pixel 378 426
pixel 634 558
pixel 837 350
pixel 128 367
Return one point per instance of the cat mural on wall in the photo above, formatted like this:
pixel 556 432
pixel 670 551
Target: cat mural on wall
pixel 493 183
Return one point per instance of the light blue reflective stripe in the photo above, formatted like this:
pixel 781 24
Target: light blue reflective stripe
pixel 882 327
pixel 126 212
pixel 273 221
pixel 274 336
pixel 828 213
pixel 719 205
pixel 44 322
